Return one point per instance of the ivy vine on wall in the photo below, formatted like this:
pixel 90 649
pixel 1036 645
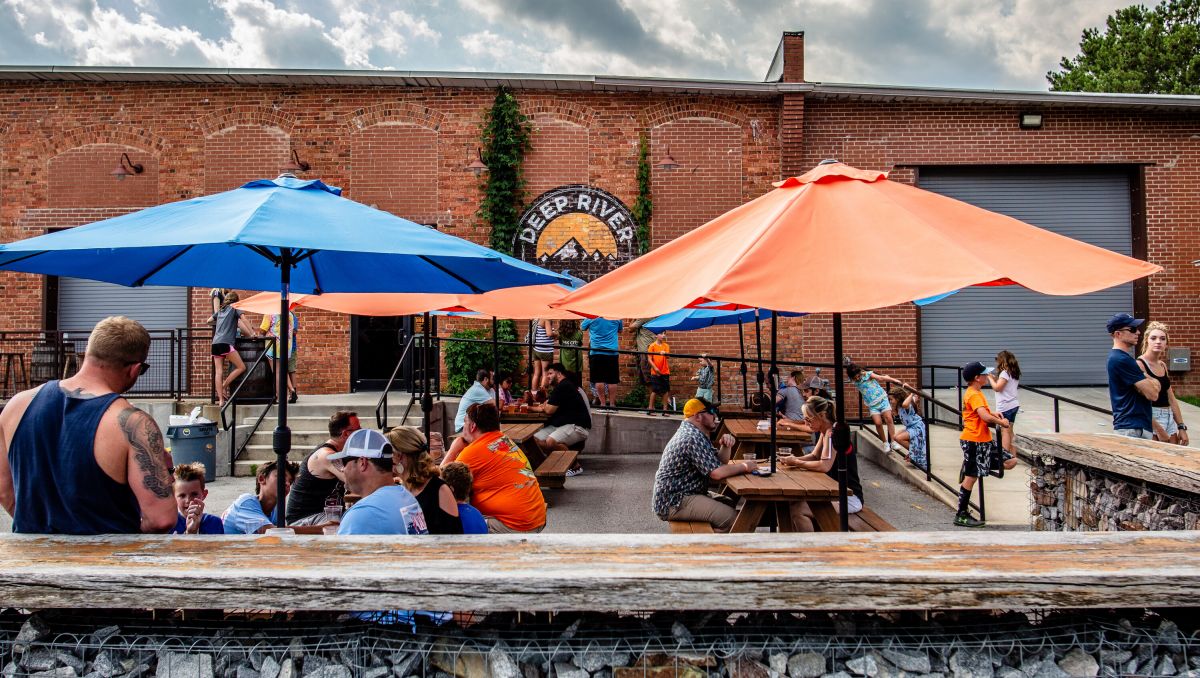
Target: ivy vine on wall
pixel 506 137
pixel 643 208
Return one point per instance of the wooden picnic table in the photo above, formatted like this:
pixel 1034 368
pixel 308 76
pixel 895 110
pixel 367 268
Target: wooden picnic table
pixel 515 417
pixel 778 492
pixel 520 432
pixel 749 438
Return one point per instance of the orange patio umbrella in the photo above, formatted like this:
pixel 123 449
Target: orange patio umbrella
pixel 831 223
pixel 517 303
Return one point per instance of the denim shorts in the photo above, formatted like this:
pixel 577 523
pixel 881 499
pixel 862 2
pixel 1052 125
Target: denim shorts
pixel 1143 433
pixel 1011 415
pixel 1166 419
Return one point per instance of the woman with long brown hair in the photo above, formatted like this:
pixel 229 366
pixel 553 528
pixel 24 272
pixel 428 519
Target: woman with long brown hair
pixel 421 476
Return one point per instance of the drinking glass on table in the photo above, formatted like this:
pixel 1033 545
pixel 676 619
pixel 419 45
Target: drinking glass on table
pixel 750 457
pixel 785 452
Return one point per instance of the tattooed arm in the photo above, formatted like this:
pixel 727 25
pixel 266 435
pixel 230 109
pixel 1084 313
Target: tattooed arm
pixel 149 470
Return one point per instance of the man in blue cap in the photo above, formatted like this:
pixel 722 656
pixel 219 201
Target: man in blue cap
pixel 1129 389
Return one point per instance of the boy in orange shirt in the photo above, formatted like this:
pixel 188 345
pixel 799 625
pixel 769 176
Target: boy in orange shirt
pixel 660 372
pixel 976 439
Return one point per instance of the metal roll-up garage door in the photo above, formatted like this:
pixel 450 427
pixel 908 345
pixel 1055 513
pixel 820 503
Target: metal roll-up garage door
pixel 83 303
pixel 1059 341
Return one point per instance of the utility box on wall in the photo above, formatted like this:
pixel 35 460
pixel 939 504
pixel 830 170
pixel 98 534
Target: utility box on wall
pixel 1179 359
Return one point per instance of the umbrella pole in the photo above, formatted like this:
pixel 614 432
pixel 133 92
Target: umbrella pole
pixel 840 397
pixel 496 360
pixel 758 365
pixel 281 441
pixel 426 398
pixel 745 383
pixel 774 385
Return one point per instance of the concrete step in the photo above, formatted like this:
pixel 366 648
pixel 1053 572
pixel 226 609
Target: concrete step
pixel 296 423
pixel 300 439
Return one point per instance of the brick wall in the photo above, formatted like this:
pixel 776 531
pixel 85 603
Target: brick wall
pixel 404 150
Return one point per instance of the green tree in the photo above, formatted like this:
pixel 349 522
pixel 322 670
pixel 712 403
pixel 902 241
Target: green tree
pixel 1150 51
pixel 506 135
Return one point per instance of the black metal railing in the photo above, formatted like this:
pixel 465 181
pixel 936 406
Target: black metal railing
pixel 33 357
pixel 1056 399
pixel 230 424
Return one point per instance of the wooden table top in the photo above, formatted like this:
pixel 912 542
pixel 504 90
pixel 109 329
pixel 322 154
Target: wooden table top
pixel 520 431
pixel 1174 466
pixel 785 485
pixel 746 430
pixel 511 417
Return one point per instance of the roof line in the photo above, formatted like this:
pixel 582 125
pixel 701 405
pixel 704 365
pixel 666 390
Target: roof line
pixel 569 82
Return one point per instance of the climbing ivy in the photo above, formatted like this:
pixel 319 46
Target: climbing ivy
pixel 505 137
pixel 643 208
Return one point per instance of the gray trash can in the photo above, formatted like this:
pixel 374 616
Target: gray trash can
pixel 195 442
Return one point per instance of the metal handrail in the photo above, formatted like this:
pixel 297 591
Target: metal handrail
pixel 381 407
pixel 1056 399
pixel 231 405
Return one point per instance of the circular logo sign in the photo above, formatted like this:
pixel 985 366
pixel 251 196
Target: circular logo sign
pixel 581 229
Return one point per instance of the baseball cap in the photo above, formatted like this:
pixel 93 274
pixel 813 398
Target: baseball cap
pixel 1123 320
pixel 697 405
pixel 365 442
pixel 972 370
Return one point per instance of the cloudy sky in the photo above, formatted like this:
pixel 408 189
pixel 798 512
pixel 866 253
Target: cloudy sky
pixel 1001 44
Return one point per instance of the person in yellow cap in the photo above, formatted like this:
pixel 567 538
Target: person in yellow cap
pixel 689 463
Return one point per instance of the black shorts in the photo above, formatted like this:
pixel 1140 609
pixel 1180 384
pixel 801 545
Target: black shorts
pixel 976 457
pixel 603 369
pixel 221 350
pixel 660 383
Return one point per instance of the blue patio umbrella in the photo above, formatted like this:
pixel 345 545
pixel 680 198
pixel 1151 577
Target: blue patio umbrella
pixel 286 234
pixel 710 314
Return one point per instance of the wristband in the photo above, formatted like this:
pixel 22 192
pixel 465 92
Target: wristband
pixel 1182 427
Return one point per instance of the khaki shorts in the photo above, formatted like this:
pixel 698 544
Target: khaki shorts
pixel 497 527
pixel 567 435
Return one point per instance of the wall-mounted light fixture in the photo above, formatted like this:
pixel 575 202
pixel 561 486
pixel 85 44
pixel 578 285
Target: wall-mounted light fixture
pixel 295 164
pixel 476 165
pixel 1031 121
pixel 125 168
pixel 668 162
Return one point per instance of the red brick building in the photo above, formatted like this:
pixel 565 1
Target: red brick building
pixel 1127 165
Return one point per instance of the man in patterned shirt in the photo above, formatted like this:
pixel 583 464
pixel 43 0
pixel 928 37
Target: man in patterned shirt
pixel 689 462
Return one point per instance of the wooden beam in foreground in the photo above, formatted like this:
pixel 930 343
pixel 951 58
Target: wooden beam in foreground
pixel 881 571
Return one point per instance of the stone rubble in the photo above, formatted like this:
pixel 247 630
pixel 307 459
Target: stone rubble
pixel 1067 497
pixel 717 646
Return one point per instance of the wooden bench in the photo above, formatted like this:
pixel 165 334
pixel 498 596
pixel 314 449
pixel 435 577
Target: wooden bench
pixel 690 527
pixel 867 520
pixel 980 569
pixel 552 473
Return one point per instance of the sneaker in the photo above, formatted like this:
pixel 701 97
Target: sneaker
pixel 572 472
pixel 960 520
pixel 897 447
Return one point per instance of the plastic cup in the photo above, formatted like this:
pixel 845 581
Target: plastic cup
pixel 280 531
pixel 750 457
pixel 785 451
pixel 329 530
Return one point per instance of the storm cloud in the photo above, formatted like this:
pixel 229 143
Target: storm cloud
pixel 987 44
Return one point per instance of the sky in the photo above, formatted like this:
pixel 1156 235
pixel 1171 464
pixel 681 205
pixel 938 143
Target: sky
pixel 978 44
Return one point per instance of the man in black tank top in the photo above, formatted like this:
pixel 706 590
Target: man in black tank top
pixel 319 479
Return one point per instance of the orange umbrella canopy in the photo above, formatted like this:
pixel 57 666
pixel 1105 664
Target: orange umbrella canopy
pixel 839 239
pixel 519 303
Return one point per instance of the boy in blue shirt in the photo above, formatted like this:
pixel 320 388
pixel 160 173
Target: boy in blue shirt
pixel 458 476
pixel 190 494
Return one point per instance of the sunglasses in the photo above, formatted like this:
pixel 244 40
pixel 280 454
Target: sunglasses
pixel 1131 330
pixel 143 367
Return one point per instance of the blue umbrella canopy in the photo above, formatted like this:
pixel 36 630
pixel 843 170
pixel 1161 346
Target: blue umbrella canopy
pixel 235 239
pixel 686 319
pixel 284 234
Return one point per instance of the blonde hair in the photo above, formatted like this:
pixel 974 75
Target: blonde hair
pixel 417 467
pixel 188 472
pixel 1150 327
pixel 118 341
pixel 817 405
